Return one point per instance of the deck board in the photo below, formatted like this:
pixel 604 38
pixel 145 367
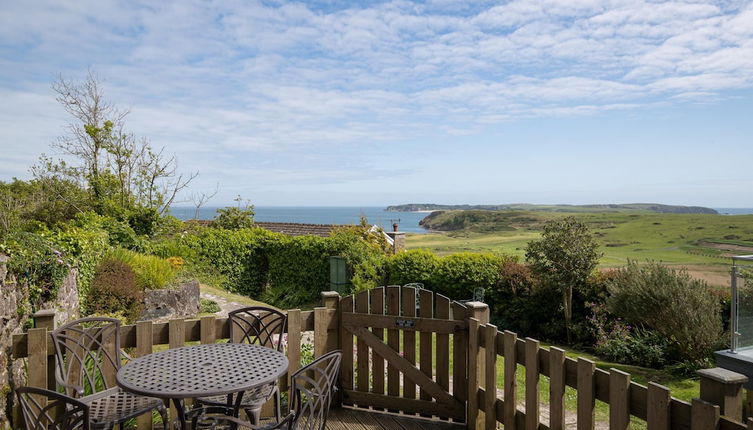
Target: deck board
pixel 353 419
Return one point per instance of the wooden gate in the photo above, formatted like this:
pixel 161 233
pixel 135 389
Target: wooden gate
pixel 419 366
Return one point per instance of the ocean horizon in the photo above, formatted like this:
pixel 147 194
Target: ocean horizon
pixel 377 215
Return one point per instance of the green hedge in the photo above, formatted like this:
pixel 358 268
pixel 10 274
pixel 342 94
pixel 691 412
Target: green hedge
pixel 298 270
pixel 238 255
pixel 416 265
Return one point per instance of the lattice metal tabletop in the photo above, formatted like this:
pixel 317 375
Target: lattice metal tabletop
pixel 202 370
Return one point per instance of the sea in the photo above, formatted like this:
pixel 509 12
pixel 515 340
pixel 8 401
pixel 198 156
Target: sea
pixel 407 221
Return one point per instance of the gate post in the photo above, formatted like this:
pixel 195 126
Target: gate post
pixel 45 318
pixel 323 318
pixel 723 387
pixel 480 312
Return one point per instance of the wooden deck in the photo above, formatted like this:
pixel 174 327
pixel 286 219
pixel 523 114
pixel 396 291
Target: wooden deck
pixel 353 419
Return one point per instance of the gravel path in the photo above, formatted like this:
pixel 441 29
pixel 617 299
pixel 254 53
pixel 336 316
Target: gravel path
pixel 224 304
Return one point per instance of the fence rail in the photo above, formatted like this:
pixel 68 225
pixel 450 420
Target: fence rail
pixel 469 374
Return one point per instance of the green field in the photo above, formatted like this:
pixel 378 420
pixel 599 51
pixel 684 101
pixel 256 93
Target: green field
pixel 702 243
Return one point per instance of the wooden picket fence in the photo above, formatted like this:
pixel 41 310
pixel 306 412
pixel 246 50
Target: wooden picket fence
pixel 36 345
pixel 652 404
pixel 454 376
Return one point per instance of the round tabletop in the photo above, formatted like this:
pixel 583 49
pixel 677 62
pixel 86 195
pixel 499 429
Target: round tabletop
pixel 202 370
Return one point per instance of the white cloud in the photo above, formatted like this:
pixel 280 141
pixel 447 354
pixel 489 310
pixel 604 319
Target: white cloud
pixel 254 78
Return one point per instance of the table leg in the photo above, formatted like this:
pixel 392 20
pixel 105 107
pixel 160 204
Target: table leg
pixel 180 410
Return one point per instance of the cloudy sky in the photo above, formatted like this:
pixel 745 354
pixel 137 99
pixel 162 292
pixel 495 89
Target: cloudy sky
pixel 333 103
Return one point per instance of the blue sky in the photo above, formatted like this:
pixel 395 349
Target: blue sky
pixel 373 103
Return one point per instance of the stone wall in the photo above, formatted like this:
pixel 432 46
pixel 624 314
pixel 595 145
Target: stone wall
pixel 15 311
pixel 179 302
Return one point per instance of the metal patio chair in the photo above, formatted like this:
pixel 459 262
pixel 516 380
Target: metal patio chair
pixel 313 388
pixel 257 325
pixel 88 355
pixel 47 410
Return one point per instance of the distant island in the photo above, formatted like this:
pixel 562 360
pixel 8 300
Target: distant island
pixel 629 207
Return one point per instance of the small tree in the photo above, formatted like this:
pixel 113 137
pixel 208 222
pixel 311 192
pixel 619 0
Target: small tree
pixel 564 258
pixel 121 172
pixel 234 218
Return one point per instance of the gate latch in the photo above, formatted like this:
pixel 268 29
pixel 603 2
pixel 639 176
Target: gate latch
pixel 405 323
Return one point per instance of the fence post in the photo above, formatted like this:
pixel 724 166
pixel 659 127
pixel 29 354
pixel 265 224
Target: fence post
pixel 723 387
pixel 45 318
pixel 480 312
pixel 331 302
pixel 144 346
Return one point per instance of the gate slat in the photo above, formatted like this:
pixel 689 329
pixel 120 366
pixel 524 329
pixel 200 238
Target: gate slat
pixel 459 357
pixel 393 340
pixel 532 383
pixel 346 339
pixel 510 380
pixel 586 398
pixel 556 388
pixel 377 362
pixel 362 350
pixel 658 407
pixel 426 298
pixel 409 339
pixel 442 310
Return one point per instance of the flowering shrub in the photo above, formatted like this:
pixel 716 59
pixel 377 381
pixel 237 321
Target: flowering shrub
pixel 176 262
pixel 618 341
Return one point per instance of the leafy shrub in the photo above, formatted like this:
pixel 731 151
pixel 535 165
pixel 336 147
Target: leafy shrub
pixel 618 341
pixel 457 275
pixel 168 226
pixel 209 306
pixel 180 246
pixel 673 304
pixel 365 251
pixel 234 218
pixel 640 348
pixel 298 270
pixel 38 263
pixel 416 265
pixel 151 272
pixel 119 233
pixel 238 255
pixel 143 220
pixel 114 290
pixel 84 249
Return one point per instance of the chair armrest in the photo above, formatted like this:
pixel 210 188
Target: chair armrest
pixel 125 355
pixel 68 386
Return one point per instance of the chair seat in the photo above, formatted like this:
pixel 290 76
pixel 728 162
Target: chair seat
pixel 251 398
pixel 115 406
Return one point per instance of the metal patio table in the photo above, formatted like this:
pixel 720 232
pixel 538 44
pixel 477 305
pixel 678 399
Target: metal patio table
pixel 202 371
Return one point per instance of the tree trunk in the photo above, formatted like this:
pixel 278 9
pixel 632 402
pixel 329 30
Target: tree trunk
pixel 567 305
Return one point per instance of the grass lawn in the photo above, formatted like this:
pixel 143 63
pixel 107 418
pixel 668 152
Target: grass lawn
pixel 227 296
pixel 701 243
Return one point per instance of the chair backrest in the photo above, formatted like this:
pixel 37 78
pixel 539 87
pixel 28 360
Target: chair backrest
pixel 45 410
pixel 313 388
pixel 88 355
pixel 258 325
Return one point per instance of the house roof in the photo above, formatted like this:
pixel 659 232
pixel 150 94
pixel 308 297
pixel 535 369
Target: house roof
pixel 296 229
pixel 289 228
